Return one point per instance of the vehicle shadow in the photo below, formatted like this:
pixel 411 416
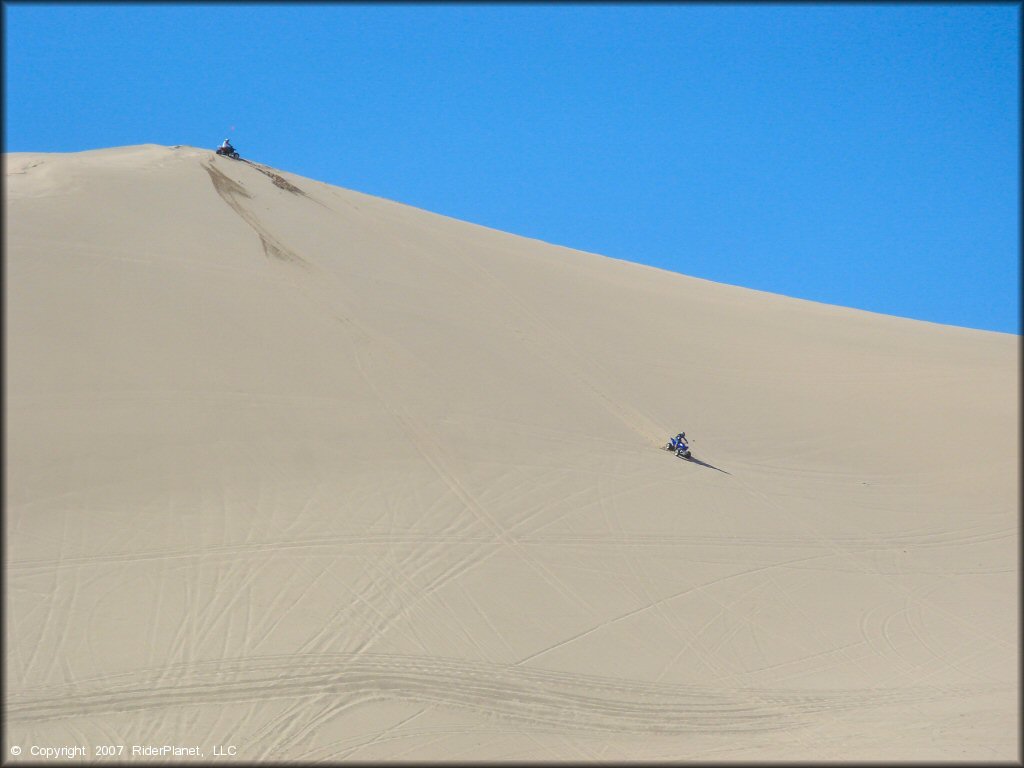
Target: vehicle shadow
pixel 693 460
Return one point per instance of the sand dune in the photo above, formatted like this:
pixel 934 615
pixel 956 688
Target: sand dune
pixel 322 476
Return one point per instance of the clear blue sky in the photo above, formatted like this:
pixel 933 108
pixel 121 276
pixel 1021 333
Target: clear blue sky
pixel 862 155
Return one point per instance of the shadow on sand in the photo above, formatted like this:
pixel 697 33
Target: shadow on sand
pixel 694 460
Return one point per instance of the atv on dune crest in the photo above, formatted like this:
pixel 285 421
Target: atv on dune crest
pixel 229 152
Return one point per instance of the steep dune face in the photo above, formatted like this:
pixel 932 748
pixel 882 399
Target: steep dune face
pixel 321 475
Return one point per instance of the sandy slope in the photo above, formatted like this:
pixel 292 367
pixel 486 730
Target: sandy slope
pixel 319 475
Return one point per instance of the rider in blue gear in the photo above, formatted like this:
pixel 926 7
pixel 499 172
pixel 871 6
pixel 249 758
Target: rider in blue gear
pixel 679 445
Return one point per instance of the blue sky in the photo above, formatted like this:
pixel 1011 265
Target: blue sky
pixel 861 155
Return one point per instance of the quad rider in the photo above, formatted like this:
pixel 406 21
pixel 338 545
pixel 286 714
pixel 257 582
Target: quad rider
pixel 226 149
pixel 679 445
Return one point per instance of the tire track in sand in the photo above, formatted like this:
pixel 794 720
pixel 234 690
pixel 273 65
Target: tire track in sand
pixel 541 699
pixel 231 192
